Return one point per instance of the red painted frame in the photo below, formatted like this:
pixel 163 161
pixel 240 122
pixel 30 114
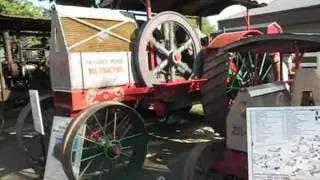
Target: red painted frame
pixel 75 101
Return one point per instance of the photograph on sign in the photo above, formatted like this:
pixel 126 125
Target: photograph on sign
pixel 284 143
pixel 36 111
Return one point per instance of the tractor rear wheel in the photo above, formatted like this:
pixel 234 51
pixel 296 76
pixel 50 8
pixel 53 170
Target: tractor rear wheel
pixel 213 92
pixel 201 162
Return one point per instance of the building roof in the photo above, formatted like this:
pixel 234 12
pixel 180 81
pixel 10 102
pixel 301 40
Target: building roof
pixel 23 23
pixel 277 6
pixel 185 7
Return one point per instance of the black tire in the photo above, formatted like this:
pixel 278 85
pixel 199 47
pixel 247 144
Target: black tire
pixel 211 153
pixel 138 155
pixel 141 43
pixel 213 92
pixel 25 116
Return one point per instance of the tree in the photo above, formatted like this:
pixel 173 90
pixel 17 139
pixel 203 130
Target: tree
pixel 206 28
pixel 21 8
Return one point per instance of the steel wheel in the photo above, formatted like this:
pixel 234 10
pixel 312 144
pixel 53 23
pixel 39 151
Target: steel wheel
pixel 199 165
pixel 105 141
pixel 176 48
pixel 27 138
pixel 246 70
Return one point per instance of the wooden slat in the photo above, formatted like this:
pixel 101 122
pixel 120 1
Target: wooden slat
pixel 75 32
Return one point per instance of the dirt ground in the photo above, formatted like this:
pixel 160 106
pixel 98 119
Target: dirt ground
pixel 168 149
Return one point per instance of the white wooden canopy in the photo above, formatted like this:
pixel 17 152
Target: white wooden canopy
pixel 90 48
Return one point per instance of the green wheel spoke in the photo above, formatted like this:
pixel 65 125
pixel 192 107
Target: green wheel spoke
pixel 250 61
pixel 101 168
pixel 125 154
pixel 91 157
pixel 262 64
pixel 122 121
pixel 86 168
pixel 266 73
pixel 125 131
pixel 84 149
pixel 131 137
pixel 99 124
pixel 89 140
pixel 115 126
pixel 106 120
pixel 87 127
pixel 125 148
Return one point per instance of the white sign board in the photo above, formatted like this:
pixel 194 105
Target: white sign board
pixel 105 69
pixel 36 111
pixel 285 143
pixel 54 169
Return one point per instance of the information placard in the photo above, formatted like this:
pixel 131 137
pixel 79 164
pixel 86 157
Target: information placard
pixel 54 169
pixel 284 143
pixel 36 111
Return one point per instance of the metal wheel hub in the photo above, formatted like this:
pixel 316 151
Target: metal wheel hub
pixel 111 148
pixel 175 57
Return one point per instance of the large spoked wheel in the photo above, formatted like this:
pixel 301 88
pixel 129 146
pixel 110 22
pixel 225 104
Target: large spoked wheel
pixel 105 141
pixel 201 161
pixel 28 139
pixel 248 69
pixel 167 50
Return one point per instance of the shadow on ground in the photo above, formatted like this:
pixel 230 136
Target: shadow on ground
pixel 168 149
pixel 13 163
pixel 170 145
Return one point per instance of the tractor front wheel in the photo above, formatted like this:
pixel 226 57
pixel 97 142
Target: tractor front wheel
pixel 105 141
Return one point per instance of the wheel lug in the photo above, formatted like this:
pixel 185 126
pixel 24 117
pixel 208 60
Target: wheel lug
pixel 116 151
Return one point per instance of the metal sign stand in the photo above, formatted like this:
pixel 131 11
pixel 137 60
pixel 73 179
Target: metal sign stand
pixel 43 149
pixel 37 118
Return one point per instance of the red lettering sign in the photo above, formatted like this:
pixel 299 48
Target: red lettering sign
pixel 105 70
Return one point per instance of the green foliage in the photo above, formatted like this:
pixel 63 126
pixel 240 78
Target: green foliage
pixel 21 8
pixel 206 28
pixel 197 109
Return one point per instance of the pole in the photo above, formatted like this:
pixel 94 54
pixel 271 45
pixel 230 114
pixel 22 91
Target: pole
pixel 281 67
pixel 148 8
pixel 248 20
pixel 43 149
pixel 152 48
pixel 200 23
pixel 7 43
pixel 2 87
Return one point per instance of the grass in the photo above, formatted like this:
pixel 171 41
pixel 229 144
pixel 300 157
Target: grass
pixel 197 109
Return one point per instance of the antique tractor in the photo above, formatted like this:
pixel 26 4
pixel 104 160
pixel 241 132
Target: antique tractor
pixel 102 71
pixel 104 67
